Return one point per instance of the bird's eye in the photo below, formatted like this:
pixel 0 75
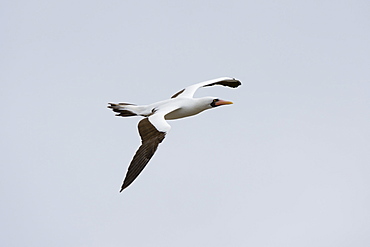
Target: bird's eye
pixel 214 101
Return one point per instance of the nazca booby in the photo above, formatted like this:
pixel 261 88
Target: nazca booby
pixel 154 127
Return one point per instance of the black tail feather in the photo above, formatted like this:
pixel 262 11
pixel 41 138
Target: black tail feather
pixel 121 112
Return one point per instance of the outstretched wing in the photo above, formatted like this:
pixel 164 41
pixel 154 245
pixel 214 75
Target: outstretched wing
pixel 152 131
pixel 189 91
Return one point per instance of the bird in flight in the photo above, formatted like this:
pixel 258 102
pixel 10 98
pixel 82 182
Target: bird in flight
pixel 154 127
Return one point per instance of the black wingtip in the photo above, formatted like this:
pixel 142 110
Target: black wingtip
pixel 122 188
pixel 234 83
pixel 229 82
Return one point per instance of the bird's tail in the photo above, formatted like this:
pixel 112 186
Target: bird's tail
pixel 127 110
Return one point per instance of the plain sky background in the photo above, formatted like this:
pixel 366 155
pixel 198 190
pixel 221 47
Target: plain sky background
pixel 287 165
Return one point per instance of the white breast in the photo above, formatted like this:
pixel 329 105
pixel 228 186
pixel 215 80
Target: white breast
pixel 187 107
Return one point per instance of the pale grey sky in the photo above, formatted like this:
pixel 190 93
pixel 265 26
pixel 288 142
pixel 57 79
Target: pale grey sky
pixel 286 165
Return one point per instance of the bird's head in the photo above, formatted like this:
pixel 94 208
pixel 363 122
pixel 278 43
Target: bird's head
pixel 210 103
pixel 218 102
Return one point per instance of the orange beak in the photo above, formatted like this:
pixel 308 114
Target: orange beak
pixel 223 102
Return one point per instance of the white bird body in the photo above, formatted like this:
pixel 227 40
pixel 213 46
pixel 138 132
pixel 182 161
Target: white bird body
pixel 185 107
pixel 154 126
pixel 188 107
